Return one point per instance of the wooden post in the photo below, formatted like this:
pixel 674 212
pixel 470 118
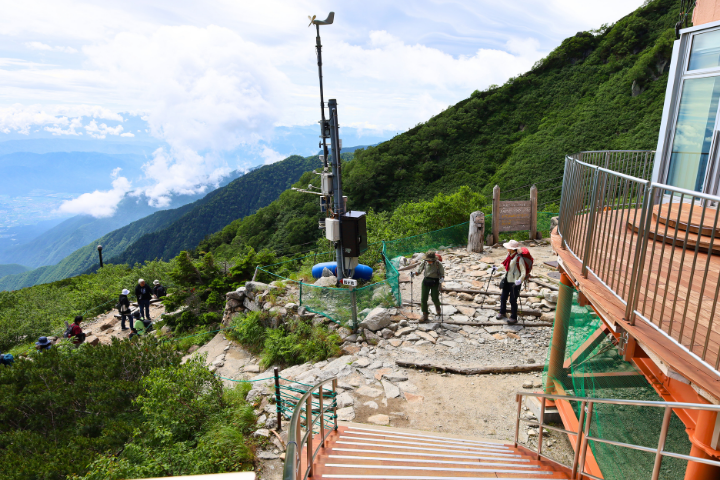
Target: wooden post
pixel 533 212
pixel 496 215
pixel 476 233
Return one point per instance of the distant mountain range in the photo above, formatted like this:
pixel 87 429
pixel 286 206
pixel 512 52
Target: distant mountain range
pixel 161 234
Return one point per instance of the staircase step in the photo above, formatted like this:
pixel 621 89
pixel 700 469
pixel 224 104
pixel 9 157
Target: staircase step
pixel 435 443
pixel 424 477
pixel 458 456
pixel 387 470
pixel 388 460
pixel 368 437
pixel 400 434
pixel 428 448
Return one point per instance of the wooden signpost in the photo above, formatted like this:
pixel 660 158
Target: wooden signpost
pixel 514 216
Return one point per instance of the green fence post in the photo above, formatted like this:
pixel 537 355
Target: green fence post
pixel 300 298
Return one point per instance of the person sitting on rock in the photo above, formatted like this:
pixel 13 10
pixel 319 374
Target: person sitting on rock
pixel 43 344
pixel 123 307
pixel 158 289
pixel 138 327
pixel 433 275
pixel 515 271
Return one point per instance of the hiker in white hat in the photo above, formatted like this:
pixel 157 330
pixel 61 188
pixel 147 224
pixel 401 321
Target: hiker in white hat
pixel 123 308
pixel 510 284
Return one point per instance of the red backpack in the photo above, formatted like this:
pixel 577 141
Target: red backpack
pixel 529 261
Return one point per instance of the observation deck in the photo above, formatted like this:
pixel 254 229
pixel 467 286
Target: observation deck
pixel 646 256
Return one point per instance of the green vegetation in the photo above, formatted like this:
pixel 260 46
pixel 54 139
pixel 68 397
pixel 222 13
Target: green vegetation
pixel 164 234
pixel 190 426
pixel 296 341
pixel 12 269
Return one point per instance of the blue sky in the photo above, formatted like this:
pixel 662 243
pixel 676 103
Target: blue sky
pixel 221 85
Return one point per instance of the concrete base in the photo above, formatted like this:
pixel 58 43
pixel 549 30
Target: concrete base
pixel 551 413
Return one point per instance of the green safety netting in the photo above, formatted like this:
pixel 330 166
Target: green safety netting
pixel 601 372
pixel 337 304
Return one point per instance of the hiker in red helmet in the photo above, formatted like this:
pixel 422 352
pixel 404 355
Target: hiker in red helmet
pixel 510 284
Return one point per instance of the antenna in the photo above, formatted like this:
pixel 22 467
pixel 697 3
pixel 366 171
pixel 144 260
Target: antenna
pixel 324 123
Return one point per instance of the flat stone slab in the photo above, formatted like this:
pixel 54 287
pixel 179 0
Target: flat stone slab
pixel 368 391
pixel 379 419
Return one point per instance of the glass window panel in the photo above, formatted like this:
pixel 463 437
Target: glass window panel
pixel 693 132
pixel 705 52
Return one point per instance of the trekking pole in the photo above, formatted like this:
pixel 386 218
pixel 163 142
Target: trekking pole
pixel 487 286
pixel 412 274
pixel 442 314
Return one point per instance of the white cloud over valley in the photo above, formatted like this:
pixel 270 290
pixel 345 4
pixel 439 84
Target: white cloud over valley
pixel 216 77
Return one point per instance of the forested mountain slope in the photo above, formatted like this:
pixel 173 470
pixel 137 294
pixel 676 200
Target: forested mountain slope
pixel 581 97
pixel 177 229
pixel 238 199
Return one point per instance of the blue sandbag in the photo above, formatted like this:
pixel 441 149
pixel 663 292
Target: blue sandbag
pixel 362 272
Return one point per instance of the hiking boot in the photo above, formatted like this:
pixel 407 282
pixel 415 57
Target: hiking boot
pixel 424 318
pixel 438 311
pixel 512 321
pixel 499 317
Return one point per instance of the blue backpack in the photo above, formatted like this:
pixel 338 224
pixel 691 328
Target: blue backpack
pixel 6 359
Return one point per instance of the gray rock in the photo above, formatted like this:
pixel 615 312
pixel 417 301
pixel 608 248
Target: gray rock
pixel 251 305
pixel 262 432
pixel 346 414
pixel 345 400
pixel 387 333
pixel 252 288
pixel 448 310
pixel 362 362
pixel 330 281
pixel 267 456
pixel 351 338
pixel 371 337
pixel 426 327
pixel 395 377
pixel 327 272
pixel 377 319
pixel 253 395
pixel 368 391
pixel 271 423
pixel 391 391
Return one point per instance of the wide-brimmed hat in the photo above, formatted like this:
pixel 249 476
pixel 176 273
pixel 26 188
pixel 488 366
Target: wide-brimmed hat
pixel 136 314
pixel 125 291
pixel 156 282
pixel 430 256
pixel 512 245
pixel 43 342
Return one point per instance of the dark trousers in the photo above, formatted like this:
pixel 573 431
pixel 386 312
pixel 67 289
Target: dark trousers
pixel 513 291
pixel 434 292
pixel 144 308
pixel 122 321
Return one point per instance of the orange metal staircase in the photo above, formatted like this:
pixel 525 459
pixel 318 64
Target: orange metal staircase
pixel 363 452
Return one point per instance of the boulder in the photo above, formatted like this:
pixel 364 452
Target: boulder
pixel 233 303
pixel 381 292
pixel 551 296
pixel 92 340
pixel 250 305
pixel 386 333
pixel 370 337
pixel 236 295
pixel 345 400
pixel 391 391
pixel 465 296
pixel 379 419
pixel 291 307
pixel 377 319
pixel 262 432
pixel 330 281
pixel 346 414
pixel 266 455
pixel 271 423
pixel 105 326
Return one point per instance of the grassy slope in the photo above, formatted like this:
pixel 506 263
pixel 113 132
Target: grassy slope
pixel 11 269
pixel 578 98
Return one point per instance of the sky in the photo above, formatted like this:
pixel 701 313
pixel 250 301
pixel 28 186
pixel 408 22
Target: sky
pixel 217 86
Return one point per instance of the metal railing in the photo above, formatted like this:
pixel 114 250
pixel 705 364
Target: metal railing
pixel 627 232
pixel 583 437
pixel 315 416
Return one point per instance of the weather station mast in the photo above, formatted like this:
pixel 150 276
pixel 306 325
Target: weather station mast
pixel 346 229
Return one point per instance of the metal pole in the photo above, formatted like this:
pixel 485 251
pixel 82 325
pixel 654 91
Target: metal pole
pixel 353 300
pixel 591 225
pixel 542 422
pixel 337 184
pixel 278 402
pixel 518 399
pixel 584 446
pixel 99 249
pixel 318 46
pixel 322 418
pixel 661 443
pixel 578 440
pixel 309 424
pixel 334 389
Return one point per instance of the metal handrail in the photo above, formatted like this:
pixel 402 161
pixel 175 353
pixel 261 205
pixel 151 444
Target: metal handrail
pixel 596 207
pixel 291 468
pixel 582 435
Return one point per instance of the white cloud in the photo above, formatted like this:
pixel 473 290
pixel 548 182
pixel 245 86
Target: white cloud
pixel 98 203
pixel 102 130
pixel 48 48
pixel 271 156
pixel 127 134
pixel 74 123
pixel 116 172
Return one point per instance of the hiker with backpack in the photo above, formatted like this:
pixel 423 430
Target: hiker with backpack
pixel 143 293
pixel 517 267
pixel 74 331
pixel 123 308
pixel 433 275
pixel 159 290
